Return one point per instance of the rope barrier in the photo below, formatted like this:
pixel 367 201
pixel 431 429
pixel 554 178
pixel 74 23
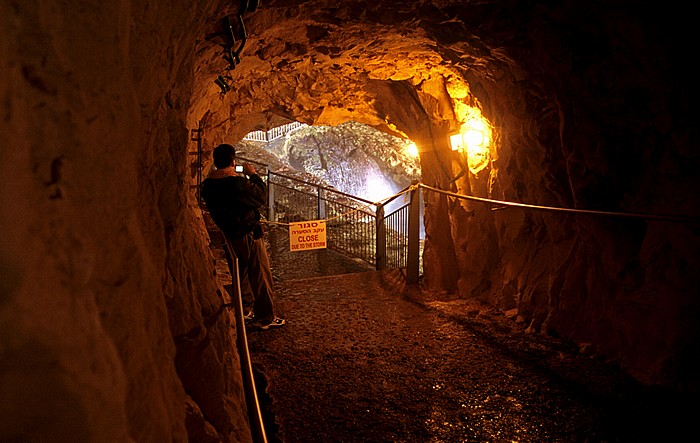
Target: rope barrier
pixel 508 204
pixel 658 217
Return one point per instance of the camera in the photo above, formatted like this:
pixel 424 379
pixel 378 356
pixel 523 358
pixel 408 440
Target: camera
pixel 239 168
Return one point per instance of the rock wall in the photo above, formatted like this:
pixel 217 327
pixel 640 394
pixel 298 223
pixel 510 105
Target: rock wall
pixel 110 328
pixel 598 122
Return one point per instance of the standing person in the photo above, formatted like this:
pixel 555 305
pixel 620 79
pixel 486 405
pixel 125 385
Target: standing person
pixel 233 201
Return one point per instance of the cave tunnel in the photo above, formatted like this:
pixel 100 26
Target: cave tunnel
pixel 106 285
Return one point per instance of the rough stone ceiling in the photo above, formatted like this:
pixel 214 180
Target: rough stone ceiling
pixel 327 63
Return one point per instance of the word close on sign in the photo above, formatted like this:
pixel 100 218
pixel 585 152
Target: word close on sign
pixel 307 235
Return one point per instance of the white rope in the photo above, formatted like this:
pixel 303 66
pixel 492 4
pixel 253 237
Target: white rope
pixel 671 218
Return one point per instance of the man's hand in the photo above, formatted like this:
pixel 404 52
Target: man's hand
pixel 248 169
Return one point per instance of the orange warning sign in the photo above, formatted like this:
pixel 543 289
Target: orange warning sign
pixel 307 235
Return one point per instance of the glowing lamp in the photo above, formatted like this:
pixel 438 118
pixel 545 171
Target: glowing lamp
pixel 473 138
pixel 468 140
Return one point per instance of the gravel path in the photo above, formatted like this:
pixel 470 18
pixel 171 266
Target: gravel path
pixel 366 358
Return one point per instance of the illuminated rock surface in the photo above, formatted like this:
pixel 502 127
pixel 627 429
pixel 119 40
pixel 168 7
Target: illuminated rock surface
pixel 353 158
pixel 109 313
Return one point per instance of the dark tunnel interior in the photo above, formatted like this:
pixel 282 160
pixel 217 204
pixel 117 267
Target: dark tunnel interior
pixel 107 295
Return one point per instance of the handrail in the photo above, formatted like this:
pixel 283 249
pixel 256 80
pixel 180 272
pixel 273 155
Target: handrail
pixel 325 188
pixel 254 413
pixel 398 194
pixel 362 210
pixel 354 204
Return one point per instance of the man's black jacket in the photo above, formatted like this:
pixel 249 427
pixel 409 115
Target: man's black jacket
pixel 233 202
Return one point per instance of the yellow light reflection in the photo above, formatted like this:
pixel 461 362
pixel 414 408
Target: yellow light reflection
pixel 412 150
pixel 474 137
pixel 457 142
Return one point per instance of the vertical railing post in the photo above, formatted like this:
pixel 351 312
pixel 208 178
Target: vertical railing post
pixel 413 259
pixel 380 255
pixel 321 203
pixel 196 135
pixel 271 216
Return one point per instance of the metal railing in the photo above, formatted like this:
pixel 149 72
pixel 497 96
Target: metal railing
pixel 351 227
pixel 401 237
pixel 397 237
pixel 355 227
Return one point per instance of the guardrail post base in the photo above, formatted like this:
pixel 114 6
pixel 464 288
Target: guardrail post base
pixel 413 259
pixel 321 203
pixel 380 239
pixel 271 216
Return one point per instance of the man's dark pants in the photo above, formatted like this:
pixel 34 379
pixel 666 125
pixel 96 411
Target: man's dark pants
pixel 256 276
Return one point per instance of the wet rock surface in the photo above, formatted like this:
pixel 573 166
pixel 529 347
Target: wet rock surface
pixel 366 358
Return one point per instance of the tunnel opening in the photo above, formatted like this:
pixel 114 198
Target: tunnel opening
pixel 354 158
pixel 333 164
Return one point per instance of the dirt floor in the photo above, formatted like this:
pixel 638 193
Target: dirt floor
pixel 367 358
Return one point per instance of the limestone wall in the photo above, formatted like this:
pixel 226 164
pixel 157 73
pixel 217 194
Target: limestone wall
pixel 110 327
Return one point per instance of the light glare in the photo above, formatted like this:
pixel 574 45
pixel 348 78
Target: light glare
pixel 412 150
pixel 376 188
pixel 473 139
pixel 456 142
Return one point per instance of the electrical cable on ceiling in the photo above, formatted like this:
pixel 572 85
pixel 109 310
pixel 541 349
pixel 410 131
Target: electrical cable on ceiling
pixel 233 57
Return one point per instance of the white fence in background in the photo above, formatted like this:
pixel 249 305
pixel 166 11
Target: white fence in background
pixel 274 133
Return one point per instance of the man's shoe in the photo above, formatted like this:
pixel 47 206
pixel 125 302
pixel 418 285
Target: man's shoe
pixel 250 316
pixel 276 323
